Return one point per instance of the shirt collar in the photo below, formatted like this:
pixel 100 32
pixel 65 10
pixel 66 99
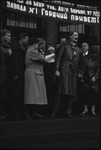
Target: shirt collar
pixel 73 44
pixel 85 53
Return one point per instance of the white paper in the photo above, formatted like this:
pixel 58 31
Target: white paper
pixel 50 58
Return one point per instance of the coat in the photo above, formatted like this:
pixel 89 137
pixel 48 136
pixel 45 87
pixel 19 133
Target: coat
pixel 18 69
pixel 67 64
pixel 4 61
pixel 34 90
pixel 5 68
pixel 90 68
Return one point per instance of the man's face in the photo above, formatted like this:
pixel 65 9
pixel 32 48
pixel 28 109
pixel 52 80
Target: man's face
pixel 63 40
pixel 25 40
pixel 7 37
pixel 74 37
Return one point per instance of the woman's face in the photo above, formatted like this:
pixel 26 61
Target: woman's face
pixel 36 46
pixel 42 45
pixel 84 47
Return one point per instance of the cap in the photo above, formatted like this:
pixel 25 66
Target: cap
pixel 51 48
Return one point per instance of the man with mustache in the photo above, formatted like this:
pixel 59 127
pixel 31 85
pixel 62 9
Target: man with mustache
pixel 66 72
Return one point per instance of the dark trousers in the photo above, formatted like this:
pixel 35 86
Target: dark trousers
pixel 16 98
pixel 31 109
pixel 58 101
pixel 4 98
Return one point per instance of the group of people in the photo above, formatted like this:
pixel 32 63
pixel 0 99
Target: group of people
pixel 35 80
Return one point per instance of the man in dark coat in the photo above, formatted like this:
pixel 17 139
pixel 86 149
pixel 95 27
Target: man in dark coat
pixel 66 70
pixel 49 69
pixel 5 59
pixel 19 50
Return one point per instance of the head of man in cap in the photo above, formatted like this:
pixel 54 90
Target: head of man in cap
pixel 63 40
pixel 51 49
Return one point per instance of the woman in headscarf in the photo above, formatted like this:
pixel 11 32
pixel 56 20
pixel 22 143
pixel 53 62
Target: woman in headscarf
pixel 90 76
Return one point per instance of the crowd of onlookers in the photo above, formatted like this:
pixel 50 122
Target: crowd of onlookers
pixel 39 80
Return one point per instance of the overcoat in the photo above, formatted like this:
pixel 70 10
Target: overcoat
pixel 5 65
pixel 18 69
pixel 90 68
pixel 34 90
pixel 67 64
